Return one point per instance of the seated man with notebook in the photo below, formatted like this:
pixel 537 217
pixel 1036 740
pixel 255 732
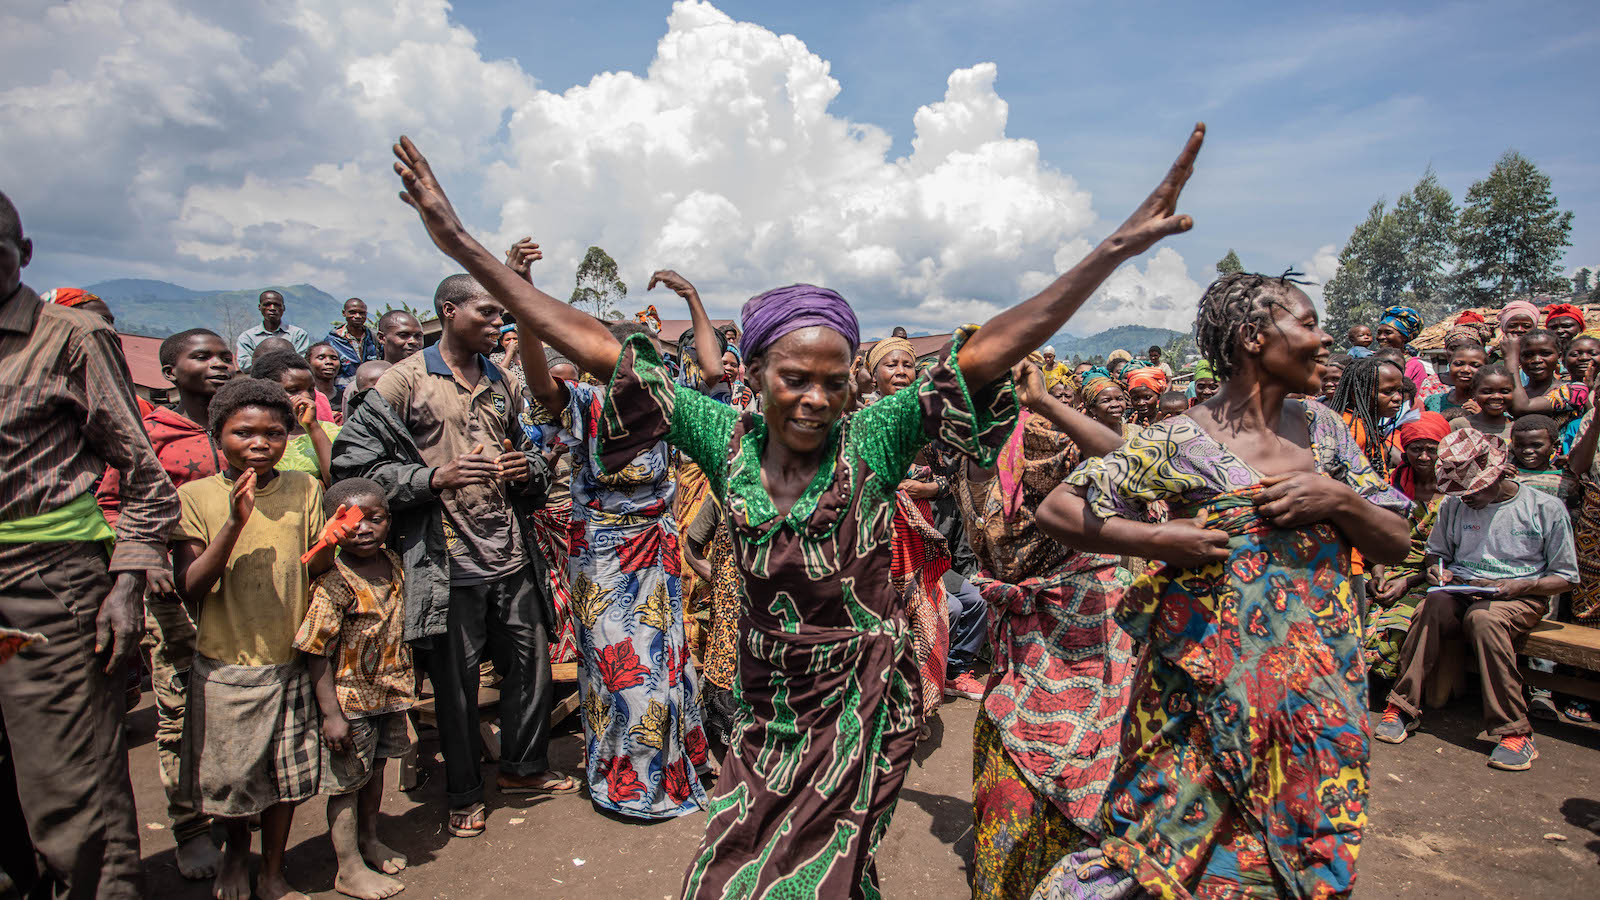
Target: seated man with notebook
pixel 1497 553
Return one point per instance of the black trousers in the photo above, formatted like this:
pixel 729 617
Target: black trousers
pixel 506 617
pixel 63 761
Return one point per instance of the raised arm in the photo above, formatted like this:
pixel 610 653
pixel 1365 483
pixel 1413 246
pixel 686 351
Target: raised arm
pixel 1013 334
pixel 580 337
pixel 707 349
pixel 1093 439
pixel 1522 403
pixel 1581 459
pixel 545 389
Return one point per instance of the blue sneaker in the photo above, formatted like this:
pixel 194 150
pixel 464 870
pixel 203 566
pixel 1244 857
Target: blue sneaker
pixel 1395 726
pixel 1515 753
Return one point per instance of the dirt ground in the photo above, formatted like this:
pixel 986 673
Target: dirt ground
pixel 1442 825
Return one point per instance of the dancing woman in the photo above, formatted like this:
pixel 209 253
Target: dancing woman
pixel 1243 767
pixel 1046 739
pixel 827 683
pixel 645 744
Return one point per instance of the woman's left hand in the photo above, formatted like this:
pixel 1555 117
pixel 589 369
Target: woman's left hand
pixel 1030 384
pixel 1301 498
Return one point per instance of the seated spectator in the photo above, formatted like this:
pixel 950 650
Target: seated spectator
pixel 1513 543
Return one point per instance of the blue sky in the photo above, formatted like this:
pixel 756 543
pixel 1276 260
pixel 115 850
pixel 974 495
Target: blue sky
pixel 1314 111
pixel 230 145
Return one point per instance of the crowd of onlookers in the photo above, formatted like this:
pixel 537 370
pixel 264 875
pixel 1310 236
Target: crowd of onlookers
pixel 310 525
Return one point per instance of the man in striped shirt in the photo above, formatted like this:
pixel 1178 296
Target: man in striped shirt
pixel 66 413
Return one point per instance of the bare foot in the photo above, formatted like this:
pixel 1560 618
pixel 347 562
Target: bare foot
pixel 366 884
pixel 381 857
pixel 233 878
pixel 198 857
pixel 271 886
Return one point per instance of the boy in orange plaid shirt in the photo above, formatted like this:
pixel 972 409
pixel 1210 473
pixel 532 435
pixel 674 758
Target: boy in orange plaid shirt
pixel 364 680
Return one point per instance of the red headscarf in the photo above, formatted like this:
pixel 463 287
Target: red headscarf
pixel 1430 426
pixel 1563 311
pixel 68 297
pixel 1470 317
pixel 1147 376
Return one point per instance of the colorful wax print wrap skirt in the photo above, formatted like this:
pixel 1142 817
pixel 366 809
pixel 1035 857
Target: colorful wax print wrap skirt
pixel 1243 769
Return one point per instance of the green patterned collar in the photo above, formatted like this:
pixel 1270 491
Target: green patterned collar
pixel 747 496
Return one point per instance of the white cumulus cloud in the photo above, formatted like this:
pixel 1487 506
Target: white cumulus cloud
pixel 221 145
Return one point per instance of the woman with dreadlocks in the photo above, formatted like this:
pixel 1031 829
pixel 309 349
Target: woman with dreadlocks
pixel 1370 393
pixel 1243 763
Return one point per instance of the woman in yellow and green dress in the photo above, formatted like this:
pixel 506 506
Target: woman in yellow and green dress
pixel 1404 584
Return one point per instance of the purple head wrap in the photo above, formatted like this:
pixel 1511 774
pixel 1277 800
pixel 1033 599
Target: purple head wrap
pixel 779 311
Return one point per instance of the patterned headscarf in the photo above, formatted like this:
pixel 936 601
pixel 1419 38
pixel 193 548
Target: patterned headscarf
pixel 1563 311
pixel 1095 383
pixel 1469 461
pixel 1147 376
pixel 1403 319
pixel 1518 308
pixel 1469 333
pixel 66 296
pixel 768 317
pixel 649 318
pixel 885 347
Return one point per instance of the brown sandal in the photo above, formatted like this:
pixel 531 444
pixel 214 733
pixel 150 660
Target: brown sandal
pixel 551 784
pixel 476 813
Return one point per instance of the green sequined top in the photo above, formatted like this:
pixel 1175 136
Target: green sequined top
pixel 825 565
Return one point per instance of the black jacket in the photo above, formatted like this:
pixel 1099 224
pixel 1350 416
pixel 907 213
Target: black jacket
pixel 375 444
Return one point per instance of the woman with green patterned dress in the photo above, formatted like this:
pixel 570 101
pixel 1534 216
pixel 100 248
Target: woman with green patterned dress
pixel 828 705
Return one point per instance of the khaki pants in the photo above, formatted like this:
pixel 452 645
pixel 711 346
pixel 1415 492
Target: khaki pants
pixel 170 641
pixel 61 743
pixel 1491 627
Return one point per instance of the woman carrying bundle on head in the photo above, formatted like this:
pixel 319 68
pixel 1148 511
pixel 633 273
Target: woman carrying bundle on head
pixel 827 682
pixel 1244 751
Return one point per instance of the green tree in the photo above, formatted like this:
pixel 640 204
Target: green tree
pixel 1402 255
pixel 1424 217
pixel 1511 235
pixel 1580 283
pixel 1229 264
pixel 598 288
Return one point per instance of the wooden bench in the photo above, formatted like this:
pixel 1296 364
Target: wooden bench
pixel 426 712
pixel 1563 642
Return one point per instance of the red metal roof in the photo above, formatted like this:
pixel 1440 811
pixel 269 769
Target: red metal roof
pixel 671 329
pixel 144 360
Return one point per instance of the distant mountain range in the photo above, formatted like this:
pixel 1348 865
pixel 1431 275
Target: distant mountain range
pixel 1135 339
pixel 160 308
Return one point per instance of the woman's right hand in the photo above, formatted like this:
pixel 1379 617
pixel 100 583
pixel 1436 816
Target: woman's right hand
pixel 1393 589
pixel 1188 543
pixel 1030 384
